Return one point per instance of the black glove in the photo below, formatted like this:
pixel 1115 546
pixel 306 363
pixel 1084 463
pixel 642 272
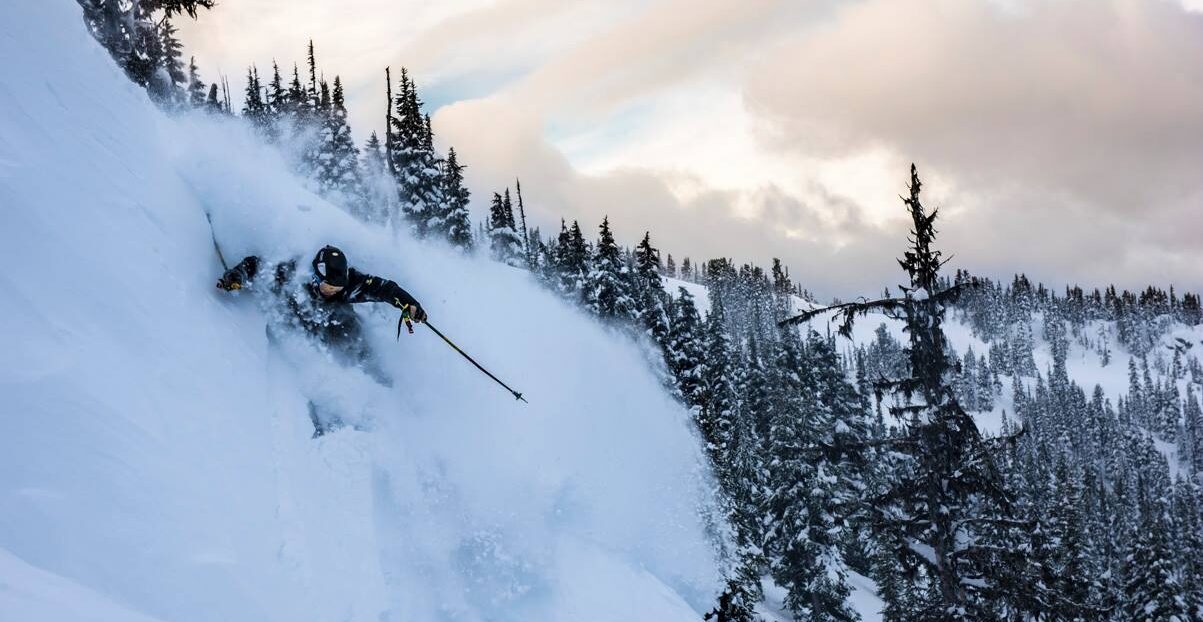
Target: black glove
pixel 412 310
pixel 239 276
pixel 231 280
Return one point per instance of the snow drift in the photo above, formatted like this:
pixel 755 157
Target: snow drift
pixel 155 452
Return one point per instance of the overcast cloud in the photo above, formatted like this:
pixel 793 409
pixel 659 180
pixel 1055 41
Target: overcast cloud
pixel 1062 138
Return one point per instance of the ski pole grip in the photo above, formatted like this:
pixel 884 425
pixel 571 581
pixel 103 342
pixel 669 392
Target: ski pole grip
pixel 404 319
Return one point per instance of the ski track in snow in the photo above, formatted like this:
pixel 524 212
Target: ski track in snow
pixel 155 452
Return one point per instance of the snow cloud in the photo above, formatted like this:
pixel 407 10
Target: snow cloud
pixel 1060 138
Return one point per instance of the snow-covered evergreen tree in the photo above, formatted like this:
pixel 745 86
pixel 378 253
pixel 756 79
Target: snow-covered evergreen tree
pixel 337 173
pixel 504 242
pixel 940 507
pixel 571 256
pixel 454 223
pixel 818 426
pixel 380 189
pixel 686 349
pixel 413 160
pixel 254 109
pixel 196 86
pixel 1153 588
pixel 141 38
pixel 651 301
pixel 608 284
pixel 173 65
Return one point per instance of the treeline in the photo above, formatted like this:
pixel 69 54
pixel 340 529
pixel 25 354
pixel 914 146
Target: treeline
pixel 1140 318
pixel 141 38
pixel 400 181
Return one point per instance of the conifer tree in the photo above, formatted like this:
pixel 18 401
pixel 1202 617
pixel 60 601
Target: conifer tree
pixel 196 86
pixel 608 284
pixel 1191 443
pixel 277 95
pixel 818 427
pixel 503 239
pixel 413 159
pixel 686 350
pixel 1074 592
pixel 173 64
pixel 296 113
pixel 312 92
pixel 720 403
pixel 1153 589
pixel 745 477
pixel 254 109
pixel 213 103
pixel 337 173
pixel 651 301
pixel 571 262
pixel 380 191
pixel 940 509
pixel 140 37
pixel 526 244
pixel 454 224
pixel 1188 513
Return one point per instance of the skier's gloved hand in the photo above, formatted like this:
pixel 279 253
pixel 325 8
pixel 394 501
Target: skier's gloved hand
pixel 231 280
pixel 413 311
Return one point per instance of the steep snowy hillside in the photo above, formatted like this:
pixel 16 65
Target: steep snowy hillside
pixel 155 450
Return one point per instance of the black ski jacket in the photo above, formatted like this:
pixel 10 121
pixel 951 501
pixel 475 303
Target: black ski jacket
pixel 360 287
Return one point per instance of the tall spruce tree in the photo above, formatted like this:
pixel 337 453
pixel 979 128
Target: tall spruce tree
pixel 651 301
pixel 523 230
pixel 140 37
pixel 413 160
pixel 503 239
pixel 196 86
pixel 337 173
pixel 254 109
pixel 608 284
pixel 1153 589
pixel 818 429
pixel 173 65
pixel 572 257
pixel 455 224
pixel 686 351
pixel 380 190
pixel 943 506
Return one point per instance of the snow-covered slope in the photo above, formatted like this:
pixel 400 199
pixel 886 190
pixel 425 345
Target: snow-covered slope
pixel 701 295
pixel 1083 365
pixel 155 452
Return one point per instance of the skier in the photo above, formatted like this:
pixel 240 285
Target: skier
pixel 321 303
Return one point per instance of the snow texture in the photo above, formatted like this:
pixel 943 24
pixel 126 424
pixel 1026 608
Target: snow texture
pixel 155 452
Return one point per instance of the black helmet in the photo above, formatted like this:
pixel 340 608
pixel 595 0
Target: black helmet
pixel 330 265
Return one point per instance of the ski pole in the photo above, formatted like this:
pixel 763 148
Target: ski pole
pixel 405 319
pixel 216 246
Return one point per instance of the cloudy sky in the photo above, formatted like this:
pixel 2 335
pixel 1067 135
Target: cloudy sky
pixel 1060 138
